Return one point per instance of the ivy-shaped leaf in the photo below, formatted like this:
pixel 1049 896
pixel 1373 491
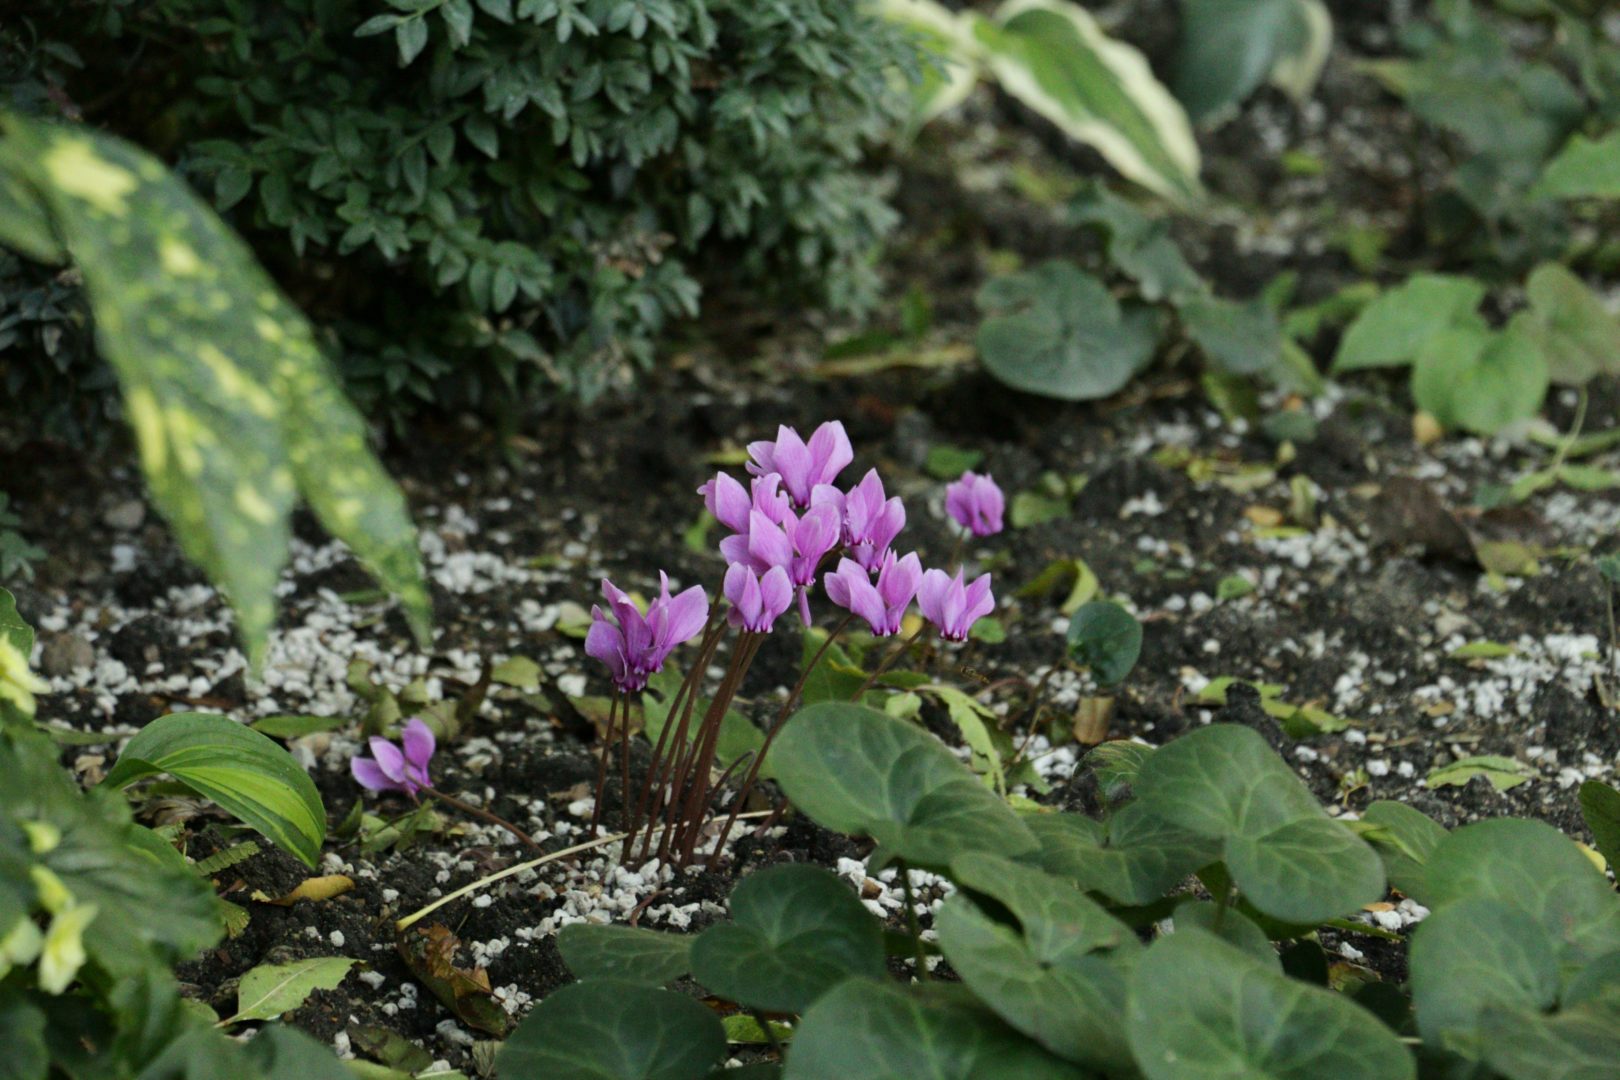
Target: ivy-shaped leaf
pixel 626 953
pixel 607 1029
pixel 796 932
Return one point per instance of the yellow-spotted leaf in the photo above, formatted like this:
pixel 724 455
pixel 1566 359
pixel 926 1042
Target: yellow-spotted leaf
pixel 1052 56
pixel 235 410
pixel 246 773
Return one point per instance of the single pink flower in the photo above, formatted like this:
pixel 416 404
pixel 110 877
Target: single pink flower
pixel 951 606
pixel 870 521
pixel 803 465
pixel 633 645
pixel 884 604
pixel 391 768
pixel 976 503
pixel 756 600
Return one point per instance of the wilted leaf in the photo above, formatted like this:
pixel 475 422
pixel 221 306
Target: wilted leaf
pixel 430 953
pixel 1503 773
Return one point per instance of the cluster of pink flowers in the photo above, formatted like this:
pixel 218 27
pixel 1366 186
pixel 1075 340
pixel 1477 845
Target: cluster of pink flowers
pixel 785 524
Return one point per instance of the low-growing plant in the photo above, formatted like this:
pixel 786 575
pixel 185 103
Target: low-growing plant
pixel 790 522
pixel 96 909
pixel 1142 943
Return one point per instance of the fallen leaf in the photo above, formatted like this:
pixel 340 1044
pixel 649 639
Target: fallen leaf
pixel 269 990
pixel 430 953
pixel 1503 773
pixel 315 889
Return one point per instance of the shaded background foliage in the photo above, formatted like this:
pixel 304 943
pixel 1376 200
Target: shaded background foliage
pixel 476 200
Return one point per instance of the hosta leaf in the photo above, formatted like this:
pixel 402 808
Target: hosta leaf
pixel 235 411
pixel 1289 859
pixel 866 1028
pixel 13 627
pixel 269 990
pixel 1058 332
pixel 856 770
pixel 1230 47
pixel 948 37
pixel 1393 329
pixel 245 772
pixel 1052 56
pixel 1478 380
pixel 626 953
pixel 1201 1009
pixel 796 932
pixel 611 1030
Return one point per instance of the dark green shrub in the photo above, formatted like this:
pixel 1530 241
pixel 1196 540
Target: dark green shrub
pixel 476 197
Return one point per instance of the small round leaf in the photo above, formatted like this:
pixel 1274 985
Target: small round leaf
pixel 1105 638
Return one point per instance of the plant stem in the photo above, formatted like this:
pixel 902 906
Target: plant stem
pixel 602 764
pixel 888 661
pixel 629 822
pixel 486 815
pixel 1222 902
pixel 912 925
pixel 697 801
pixel 770 736
pixel 765 1026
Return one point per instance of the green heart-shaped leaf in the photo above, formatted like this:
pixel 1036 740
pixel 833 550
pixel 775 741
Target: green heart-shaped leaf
pixel 1058 332
pixel 1105 638
pixel 1200 1009
pixel 1572 327
pixel 865 1028
pixel 1393 329
pixel 1052 976
pixel 246 773
pixel 1578 1043
pixel 797 932
pixel 607 1029
pixel 855 770
pixel 1474 954
pixel 1133 859
pixel 1404 838
pixel 1291 861
pixel 624 952
pixel 1479 380
pixel 1533 867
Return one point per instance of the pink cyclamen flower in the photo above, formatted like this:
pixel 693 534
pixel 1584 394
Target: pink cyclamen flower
pixel 633 645
pixel 871 522
pixel 976 503
pixel 757 600
pixel 803 465
pixel 884 604
pixel 951 606
pixel 390 768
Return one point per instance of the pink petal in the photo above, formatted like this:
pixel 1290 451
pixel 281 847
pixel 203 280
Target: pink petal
pixel 830 451
pixel 768 543
pixel 793 461
pixel 686 615
pixel 728 501
pixel 931 594
pixel 389 759
pixel 775 593
pixel 367 774
pixel 419 744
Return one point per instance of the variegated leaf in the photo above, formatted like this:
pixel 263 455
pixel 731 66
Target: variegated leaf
pixel 949 39
pixel 1052 56
pixel 235 410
